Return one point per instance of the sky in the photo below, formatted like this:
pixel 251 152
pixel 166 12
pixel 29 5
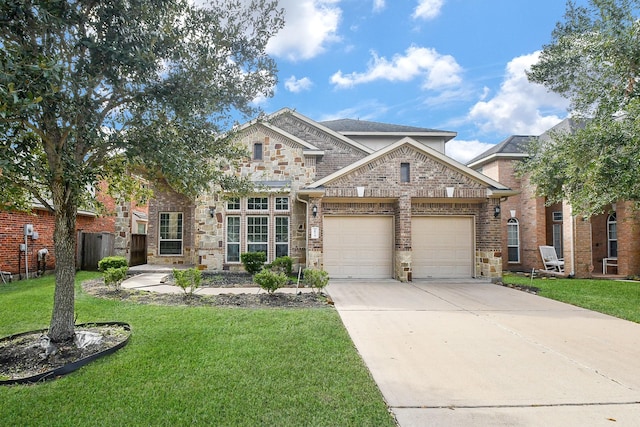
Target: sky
pixel 454 65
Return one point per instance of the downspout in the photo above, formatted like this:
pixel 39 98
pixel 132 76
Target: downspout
pixel 306 229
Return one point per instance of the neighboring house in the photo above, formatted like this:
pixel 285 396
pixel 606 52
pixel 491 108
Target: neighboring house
pixel 608 243
pixel 39 236
pixel 98 235
pixel 358 199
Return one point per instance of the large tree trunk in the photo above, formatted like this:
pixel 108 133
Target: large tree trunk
pixel 64 238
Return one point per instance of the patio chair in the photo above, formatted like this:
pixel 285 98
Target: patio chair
pixel 550 259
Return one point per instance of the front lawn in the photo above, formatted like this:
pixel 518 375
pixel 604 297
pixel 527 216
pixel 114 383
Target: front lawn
pixel 615 297
pixel 196 366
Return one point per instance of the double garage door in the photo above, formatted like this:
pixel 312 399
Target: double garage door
pixel 362 246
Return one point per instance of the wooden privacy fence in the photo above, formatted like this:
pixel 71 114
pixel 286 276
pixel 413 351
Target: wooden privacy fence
pixel 138 249
pixel 92 247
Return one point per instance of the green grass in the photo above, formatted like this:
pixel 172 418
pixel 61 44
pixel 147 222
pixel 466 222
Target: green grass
pixel 614 297
pixel 196 366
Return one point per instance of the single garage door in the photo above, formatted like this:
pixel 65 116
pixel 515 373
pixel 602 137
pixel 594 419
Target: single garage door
pixel 358 246
pixel 442 247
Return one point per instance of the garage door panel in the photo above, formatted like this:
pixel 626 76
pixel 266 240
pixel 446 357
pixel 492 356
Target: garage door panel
pixel 358 247
pixel 442 247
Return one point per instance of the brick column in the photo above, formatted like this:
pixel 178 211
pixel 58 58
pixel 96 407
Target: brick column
pixel 403 251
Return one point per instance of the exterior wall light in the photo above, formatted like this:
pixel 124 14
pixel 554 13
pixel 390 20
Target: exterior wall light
pixel 314 211
pixel 212 211
pixel 496 211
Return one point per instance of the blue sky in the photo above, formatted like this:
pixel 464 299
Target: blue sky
pixel 455 65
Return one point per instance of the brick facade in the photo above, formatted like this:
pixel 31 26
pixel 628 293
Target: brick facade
pixel 583 242
pixel 12 236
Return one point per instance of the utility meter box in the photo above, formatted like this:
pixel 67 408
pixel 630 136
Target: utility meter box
pixel 28 229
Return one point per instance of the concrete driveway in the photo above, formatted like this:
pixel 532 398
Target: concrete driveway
pixel 470 353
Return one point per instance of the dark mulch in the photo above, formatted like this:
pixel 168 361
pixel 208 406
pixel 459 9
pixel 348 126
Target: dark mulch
pixel 98 289
pixel 30 354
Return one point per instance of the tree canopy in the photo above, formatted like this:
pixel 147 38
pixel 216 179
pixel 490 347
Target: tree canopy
pixel 90 90
pixel 594 61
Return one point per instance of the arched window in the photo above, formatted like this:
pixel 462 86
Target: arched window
pixel 612 236
pixel 513 240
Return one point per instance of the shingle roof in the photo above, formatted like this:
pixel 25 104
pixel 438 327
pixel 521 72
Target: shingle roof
pixel 354 126
pixel 515 144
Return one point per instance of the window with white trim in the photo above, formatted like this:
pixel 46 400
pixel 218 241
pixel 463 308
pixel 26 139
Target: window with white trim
pixel 282 236
pixel 233 239
pixel 513 240
pixel 282 203
pixel 612 236
pixel 257 203
pixel 233 204
pixel 170 242
pixel 258 234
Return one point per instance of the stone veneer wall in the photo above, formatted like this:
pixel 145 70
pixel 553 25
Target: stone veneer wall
pixel 282 161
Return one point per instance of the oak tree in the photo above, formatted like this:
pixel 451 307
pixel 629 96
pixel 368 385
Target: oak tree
pixel 594 61
pixel 91 89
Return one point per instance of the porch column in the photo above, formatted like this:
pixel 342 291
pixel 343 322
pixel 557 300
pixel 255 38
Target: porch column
pixel 577 238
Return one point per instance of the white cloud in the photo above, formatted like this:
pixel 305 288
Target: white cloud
pixel 519 107
pixel 309 26
pixel 378 5
pixel 438 71
pixel 428 9
pixel 463 151
pixel 298 85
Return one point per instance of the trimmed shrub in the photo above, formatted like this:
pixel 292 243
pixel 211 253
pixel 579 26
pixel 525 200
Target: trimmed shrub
pixel 283 264
pixel 316 279
pixel 189 280
pixel 270 281
pixel 253 261
pixel 112 262
pixel 115 276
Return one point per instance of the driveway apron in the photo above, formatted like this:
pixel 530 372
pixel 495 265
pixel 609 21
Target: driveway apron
pixel 456 353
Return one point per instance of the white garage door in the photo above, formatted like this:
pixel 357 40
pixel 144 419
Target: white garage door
pixel 442 247
pixel 358 247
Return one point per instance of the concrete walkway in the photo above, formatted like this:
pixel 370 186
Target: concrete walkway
pixel 469 353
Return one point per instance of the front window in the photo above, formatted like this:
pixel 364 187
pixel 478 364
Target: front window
pixel 612 236
pixel 170 233
pixel 257 203
pixel 405 172
pixel 233 239
pixel 282 203
pixel 513 241
pixel 257 233
pixel 257 151
pixel 233 204
pixel 282 236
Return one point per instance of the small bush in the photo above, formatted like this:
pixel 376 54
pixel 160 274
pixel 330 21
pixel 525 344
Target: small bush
pixel 270 281
pixel 283 264
pixel 316 279
pixel 112 262
pixel 189 280
pixel 253 261
pixel 115 276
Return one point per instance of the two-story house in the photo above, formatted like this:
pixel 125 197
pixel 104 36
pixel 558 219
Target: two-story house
pixel 608 243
